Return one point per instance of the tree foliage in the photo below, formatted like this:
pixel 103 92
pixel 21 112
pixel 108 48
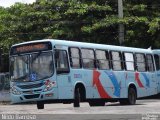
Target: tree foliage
pixel 93 21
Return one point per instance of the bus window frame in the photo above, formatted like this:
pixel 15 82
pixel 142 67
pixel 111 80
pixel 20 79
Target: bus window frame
pixel 140 62
pixel 67 71
pixel 70 57
pixel 157 69
pixel 134 65
pixel 121 60
pixel 94 60
pixel 109 61
pixel 30 54
pixel 152 63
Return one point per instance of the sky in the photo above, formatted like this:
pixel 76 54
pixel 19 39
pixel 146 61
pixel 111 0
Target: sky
pixel 7 3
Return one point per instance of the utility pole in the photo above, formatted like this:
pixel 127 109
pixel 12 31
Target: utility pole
pixel 121 26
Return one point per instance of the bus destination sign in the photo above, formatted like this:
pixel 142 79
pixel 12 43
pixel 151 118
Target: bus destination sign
pixel 32 47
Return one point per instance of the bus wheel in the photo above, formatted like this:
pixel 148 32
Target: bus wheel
pixel 76 98
pixel 132 96
pixel 40 105
pixel 131 100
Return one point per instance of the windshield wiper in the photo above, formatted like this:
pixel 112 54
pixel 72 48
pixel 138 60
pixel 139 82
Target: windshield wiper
pixel 21 78
pixel 36 56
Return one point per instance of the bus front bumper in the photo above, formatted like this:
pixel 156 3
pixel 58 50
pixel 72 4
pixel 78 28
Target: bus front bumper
pixel 31 97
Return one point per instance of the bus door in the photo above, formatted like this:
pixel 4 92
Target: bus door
pixel 157 63
pixel 63 75
pixel 150 76
pixel 151 83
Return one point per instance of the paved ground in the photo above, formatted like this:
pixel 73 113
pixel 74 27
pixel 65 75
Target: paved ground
pixel 143 108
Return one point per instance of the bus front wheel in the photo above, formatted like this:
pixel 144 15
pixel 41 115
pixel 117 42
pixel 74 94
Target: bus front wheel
pixel 76 98
pixel 40 105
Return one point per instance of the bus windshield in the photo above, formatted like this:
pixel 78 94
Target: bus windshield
pixel 41 65
pixel 19 67
pixel 31 67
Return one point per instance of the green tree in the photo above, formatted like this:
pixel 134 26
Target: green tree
pixel 93 21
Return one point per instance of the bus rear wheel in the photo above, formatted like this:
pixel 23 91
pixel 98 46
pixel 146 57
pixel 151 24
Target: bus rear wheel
pixel 132 96
pixel 40 105
pixel 76 98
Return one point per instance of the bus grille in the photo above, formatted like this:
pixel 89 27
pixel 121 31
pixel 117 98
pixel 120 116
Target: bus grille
pixel 31 96
pixel 33 91
pixel 30 86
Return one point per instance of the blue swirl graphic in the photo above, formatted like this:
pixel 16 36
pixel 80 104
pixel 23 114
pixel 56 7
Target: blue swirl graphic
pixel 114 80
pixel 146 79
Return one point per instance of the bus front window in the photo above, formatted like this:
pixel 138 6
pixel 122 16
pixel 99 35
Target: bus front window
pixel 31 67
pixel 19 68
pixel 42 65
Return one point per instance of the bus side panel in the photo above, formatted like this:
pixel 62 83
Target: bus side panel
pixel 145 82
pixel 121 78
pixel 65 89
pixel 88 80
pixel 130 79
pixel 148 86
pixel 78 76
pixel 151 83
pixel 101 85
pixel 158 81
pixel 136 79
pixel 106 84
pixel 116 83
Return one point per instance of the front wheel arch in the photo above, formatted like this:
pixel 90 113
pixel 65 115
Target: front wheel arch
pixel 79 94
pixel 82 91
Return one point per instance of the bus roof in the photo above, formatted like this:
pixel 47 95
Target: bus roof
pixel 90 45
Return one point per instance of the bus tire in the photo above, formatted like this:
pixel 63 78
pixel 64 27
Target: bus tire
pixel 76 102
pixel 132 96
pixel 40 105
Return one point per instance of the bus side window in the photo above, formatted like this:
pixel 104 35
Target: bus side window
pixel 116 60
pixel 150 64
pixel 102 59
pixel 129 61
pixel 74 54
pixel 88 58
pixel 61 61
pixel 140 62
pixel 157 61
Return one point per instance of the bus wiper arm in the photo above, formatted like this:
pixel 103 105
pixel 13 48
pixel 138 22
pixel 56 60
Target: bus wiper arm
pixel 36 56
pixel 22 77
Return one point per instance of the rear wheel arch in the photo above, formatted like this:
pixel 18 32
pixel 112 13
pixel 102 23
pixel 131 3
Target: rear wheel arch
pixel 132 85
pixel 131 96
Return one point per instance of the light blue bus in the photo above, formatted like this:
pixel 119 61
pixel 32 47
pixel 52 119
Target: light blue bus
pixel 50 71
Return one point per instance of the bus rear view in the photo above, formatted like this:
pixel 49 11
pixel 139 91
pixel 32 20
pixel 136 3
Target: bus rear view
pixel 32 73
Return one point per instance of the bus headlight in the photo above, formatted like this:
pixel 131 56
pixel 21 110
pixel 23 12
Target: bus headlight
pixel 15 91
pixel 49 85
